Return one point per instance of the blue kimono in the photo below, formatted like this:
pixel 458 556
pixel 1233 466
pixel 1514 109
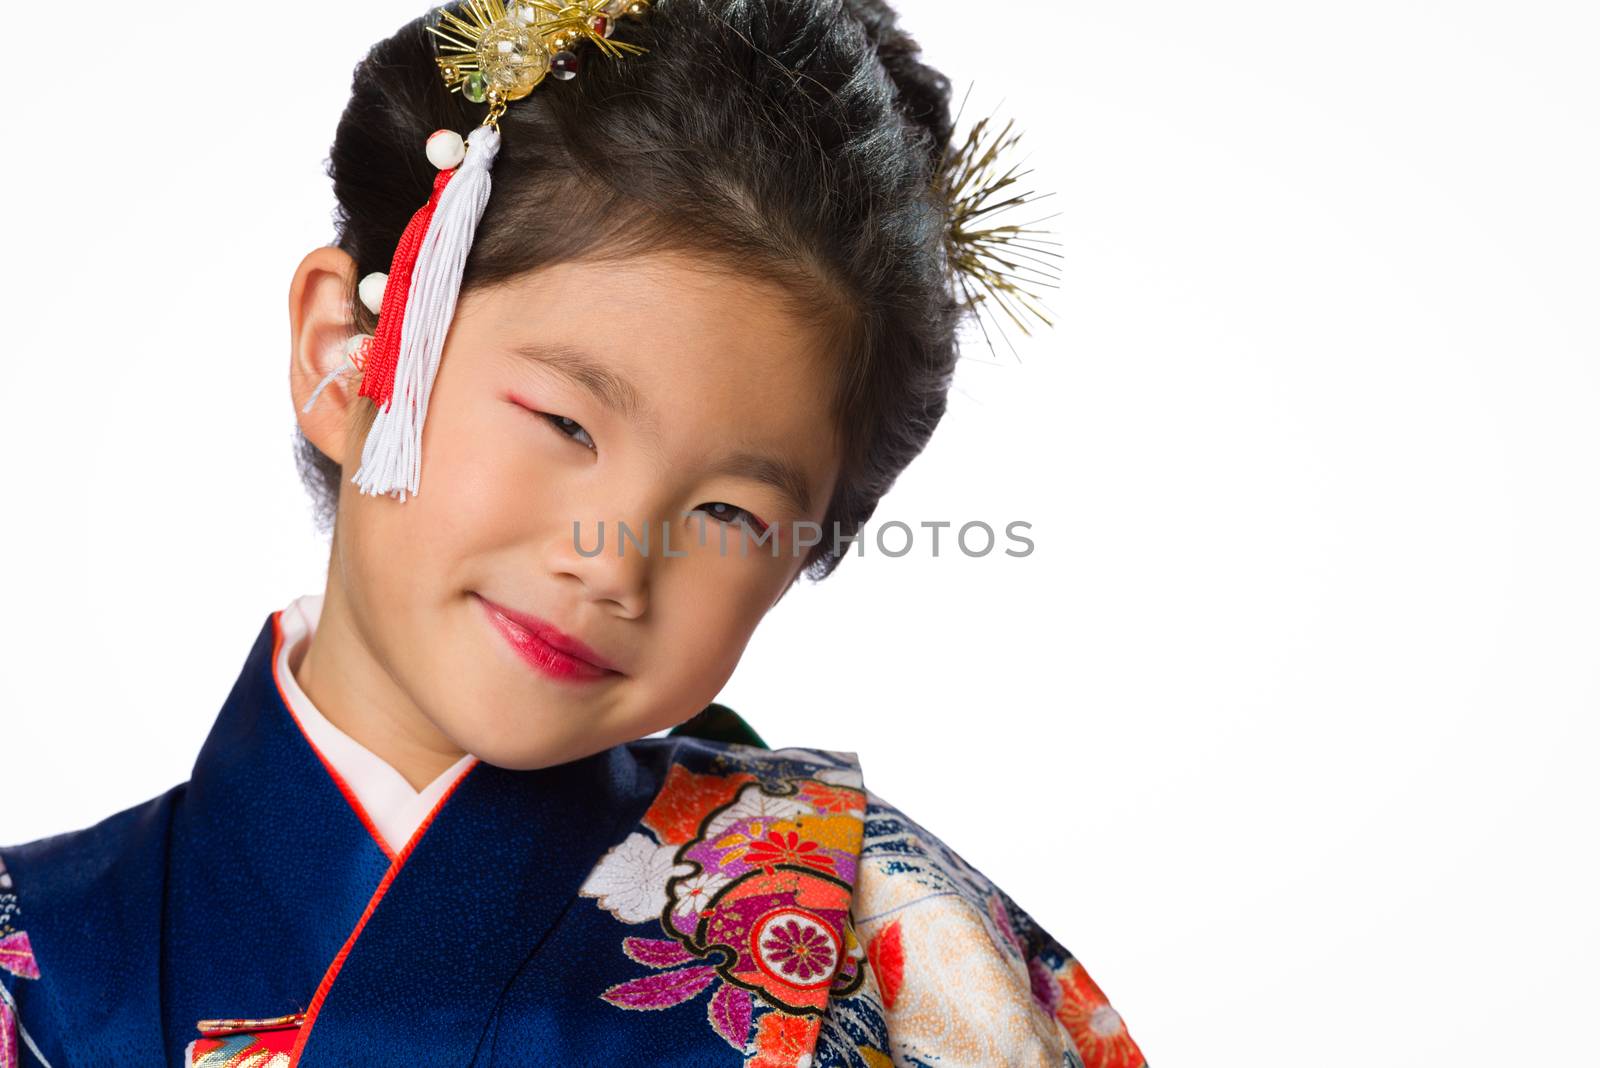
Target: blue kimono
pixel 691 899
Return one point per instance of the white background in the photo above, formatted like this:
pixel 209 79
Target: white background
pixel 1286 728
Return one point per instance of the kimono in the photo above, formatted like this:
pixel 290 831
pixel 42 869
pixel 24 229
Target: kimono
pixel 694 898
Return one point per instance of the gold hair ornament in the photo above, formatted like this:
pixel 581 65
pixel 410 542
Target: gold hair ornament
pixel 501 51
pixel 992 264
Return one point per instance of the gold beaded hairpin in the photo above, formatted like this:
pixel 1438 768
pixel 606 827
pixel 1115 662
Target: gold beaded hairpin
pixel 499 52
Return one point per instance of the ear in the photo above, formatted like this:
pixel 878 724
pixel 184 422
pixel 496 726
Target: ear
pixel 321 320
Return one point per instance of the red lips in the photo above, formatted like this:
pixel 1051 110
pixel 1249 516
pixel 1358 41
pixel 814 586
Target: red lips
pixel 571 657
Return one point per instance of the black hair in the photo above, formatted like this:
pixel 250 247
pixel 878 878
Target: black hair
pixel 794 140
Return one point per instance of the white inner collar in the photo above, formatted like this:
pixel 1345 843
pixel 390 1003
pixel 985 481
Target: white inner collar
pixel 393 807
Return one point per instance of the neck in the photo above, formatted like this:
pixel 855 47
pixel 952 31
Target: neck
pixel 351 687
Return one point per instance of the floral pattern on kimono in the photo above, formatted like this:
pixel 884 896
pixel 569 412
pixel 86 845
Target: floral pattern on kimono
pixel 744 874
pixel 17 962
pixel 833 932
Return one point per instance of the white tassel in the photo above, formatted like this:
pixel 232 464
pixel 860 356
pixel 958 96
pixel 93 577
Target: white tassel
pixel 391 457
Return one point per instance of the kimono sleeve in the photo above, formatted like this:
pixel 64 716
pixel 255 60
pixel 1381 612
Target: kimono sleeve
pixel 963 974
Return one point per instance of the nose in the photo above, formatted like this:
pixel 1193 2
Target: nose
pixel 588 553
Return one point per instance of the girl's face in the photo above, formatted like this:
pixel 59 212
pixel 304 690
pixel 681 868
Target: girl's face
pixel 650 392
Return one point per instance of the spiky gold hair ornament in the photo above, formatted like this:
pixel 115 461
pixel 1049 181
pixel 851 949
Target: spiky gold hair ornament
pixel 993 265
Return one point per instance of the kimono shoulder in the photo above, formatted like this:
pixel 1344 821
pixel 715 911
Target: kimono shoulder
pixel 964 976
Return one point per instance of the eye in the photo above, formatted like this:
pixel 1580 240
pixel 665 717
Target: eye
pixel 724 512
pixel 566 427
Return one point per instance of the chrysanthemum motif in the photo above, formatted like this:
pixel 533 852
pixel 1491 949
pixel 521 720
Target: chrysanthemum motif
pixel 787 847
pixel 1096 1028
pixel 801 951
pixel 795 946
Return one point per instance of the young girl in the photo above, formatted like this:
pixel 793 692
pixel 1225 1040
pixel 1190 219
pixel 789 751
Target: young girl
pixel 707 312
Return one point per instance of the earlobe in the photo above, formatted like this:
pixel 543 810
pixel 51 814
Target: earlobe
pixel 320 324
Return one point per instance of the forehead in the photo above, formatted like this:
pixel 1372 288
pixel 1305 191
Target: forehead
pixel 698 358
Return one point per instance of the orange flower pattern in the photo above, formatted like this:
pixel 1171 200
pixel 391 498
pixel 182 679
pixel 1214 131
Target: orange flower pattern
pixel 1096 1028
pixel 676 813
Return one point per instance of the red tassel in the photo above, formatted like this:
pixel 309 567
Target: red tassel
pixel 383 351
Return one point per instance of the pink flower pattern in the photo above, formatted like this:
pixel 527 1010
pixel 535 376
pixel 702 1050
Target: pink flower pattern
pixel 759 880
pixel 800 951
pixel 16 958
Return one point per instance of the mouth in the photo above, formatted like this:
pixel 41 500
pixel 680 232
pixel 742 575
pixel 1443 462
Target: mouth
pixel 544 647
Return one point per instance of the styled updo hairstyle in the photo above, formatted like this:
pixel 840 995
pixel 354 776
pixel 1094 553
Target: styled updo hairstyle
pixel 792 140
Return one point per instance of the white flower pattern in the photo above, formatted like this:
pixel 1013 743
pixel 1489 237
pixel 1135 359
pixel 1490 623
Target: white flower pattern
pixel 630 882
pixel 693 893
pixel 753 802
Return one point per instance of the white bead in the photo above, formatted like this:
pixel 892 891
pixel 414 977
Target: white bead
pixel 446 149
pixel 370 290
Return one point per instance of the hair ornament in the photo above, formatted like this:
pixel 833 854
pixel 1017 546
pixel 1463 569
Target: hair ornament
pixel 993 264
pixel 492 53
pixel 500 52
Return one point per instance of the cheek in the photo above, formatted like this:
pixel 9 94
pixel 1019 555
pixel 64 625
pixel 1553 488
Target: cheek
pixel 707 612
pixel 374 548
pixel 483 478
pixel 480 486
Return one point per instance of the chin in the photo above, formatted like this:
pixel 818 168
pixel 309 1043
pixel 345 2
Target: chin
pixel 530 752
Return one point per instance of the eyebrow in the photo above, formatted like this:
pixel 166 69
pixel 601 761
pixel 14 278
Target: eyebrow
pixel 779 474
pixel 608 387
pixel 620 395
